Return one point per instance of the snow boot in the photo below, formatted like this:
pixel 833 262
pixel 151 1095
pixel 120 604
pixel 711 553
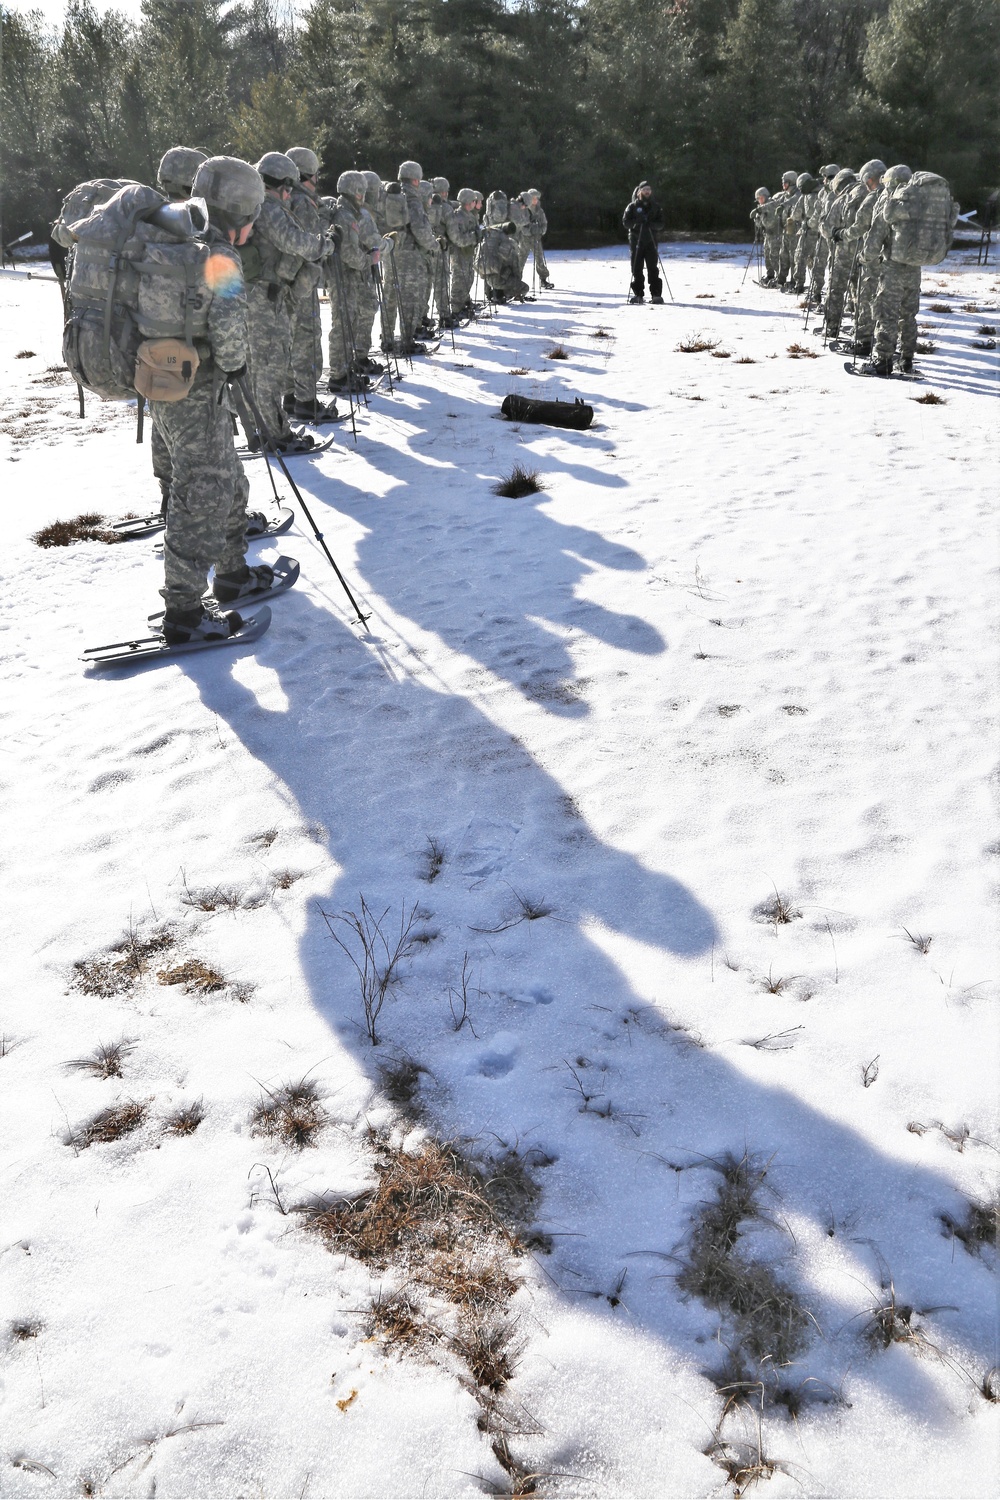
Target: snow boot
pixel 880 367
pixel 635 298
pixel 206 623
pixel 297 442
pixel 369 366
pixel 547 286
pixel 228 588
pixel 314 412
pixel 657 300
pixel 860 346
pixel 906 365
pixel 349 385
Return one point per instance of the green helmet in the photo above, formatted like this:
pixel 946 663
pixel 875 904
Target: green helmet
pixel 278 170
pixel 232 189
pixel 175 174
pixel 896 176
pixel 305 160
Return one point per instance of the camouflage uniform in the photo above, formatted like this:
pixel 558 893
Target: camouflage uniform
pixel 434 209
pixel 517 214
pixel 370 238
pixel 843 203
pixel 815 213
pixel 306 325
pixel 414 245
pixel 856 235
pixel 808 233
pixel 767 218
pixel 897 300
pixel 206 514
pixel 345 284
pixel 463 237
pixel 537 228
pixel 277 250
pixel 789 229
pixel 500 263
pixel 496 210
pixel 442 265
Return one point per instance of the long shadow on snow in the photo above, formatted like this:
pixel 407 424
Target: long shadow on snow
pixel 382 763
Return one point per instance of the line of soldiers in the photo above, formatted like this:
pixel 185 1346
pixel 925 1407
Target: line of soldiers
pixel 386 250
pixel 835 232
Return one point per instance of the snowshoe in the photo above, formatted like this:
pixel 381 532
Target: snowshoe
pixel 298 442
pixel 206 623
pixel 259 526
pixel 349 385
pixel 316 413
pixel 283 575
pixel 234 630
pixel 230 588
pixel 882 368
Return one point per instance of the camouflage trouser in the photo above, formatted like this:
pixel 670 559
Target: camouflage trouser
pixel 413 273
pixel 307 346
pixel 896 305
pixel 390 301
pixel 804 255
pixel 206 514
pixel 864 317
pixel 161 466
pixel 506 281
pixel 772 254
pixel 442 284
pixel 364 318
pixel 344 287
pixel 836 293
pixel 821 255
pixel 432 262
pixel 786 253
pixel 541 265
pixel 270 354
pixel 463 274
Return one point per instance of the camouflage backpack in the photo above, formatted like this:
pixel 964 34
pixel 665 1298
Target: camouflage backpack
pixel 769 216
pixel 496 209
pixel 137 296
pixel 78 203
pixel 922 218
pixel 396 208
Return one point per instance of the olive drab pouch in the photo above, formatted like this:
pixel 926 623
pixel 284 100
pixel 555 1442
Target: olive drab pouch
pixel 165 369
pixel 397 210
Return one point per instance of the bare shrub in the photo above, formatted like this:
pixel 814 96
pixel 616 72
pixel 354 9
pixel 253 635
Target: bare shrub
pixel 518 483
pixel 458 998
pixel 185 1119
pixel 105 1061
pixel 197 976
pixel 293 1113
pixel 375 953
pixel 86 528
pixel 434 856
pixel 110 1124
pixel 696 345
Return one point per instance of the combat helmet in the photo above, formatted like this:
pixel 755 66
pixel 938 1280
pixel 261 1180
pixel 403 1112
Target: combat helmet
pixel 352 183
pixel 844 179
pixel 873 168
pixel 232 189
pixel 762 192
pixel 175 174
pixel 467 197
pixel 896 176
pixel 828 173
pixel 278 170
pixel 305 160
pixel 789 179
pixel 442 186
pixel 806 183
pixel 408 170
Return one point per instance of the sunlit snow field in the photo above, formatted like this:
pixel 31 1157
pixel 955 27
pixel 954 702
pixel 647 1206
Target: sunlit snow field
pixel 741 645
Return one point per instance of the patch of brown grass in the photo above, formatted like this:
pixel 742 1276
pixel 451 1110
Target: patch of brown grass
pixel 25 354
pixel 696 345
pixel 195 975
pixel 940 307
pixel 721 354
pixel 929 400
pixel 518 483
pixel 558 352
pixel 105 1061
pixel 979 1230
pixel 185 1119
pixel 746 360
pixel 986 330
pixel 110 1124
pixel 801 351
pixel 293 1113
pixel 120 969
pixel 23 1329
pixel 86 528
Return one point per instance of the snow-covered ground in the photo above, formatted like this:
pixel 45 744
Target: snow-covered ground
pixel 740 645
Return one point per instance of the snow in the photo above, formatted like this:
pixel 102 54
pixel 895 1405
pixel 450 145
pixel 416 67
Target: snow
pixel 732 649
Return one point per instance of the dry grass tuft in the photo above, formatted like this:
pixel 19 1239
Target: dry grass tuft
pixel 434 855
pixel 721 354
pixel 105 1061
pixel 696 345
pixel 25 354
pixel 23 1329
pixel 86 528
pixel 518 483
pixel 779 909
pixel 801 351
pixel 925 346
pixel 602 333
pixel 987 330
pixel 558 352
pixel 989 1386
pixel 400 1082
pixel 119 970
pixel 293 1113
pixel 940 307
pixel 185 1119
pixel 744 1463
pixel 285 879
pixel 395 1320
pixel 110 1124
pixel 195 975
pixel 980 1227
pixel 489 1344
pixel 920 940
pixel 223 898
pixel 970 307
pixel 929 400
pixel 746 360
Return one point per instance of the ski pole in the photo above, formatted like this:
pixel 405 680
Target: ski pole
pixel 265 437
pixel 341 317
pixel 753 251
pixel 660 263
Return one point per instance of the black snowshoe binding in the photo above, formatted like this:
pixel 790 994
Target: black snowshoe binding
pixel 636 298
pixel 656 299
pixel 229 588
pixel 206 623
pixel 317 413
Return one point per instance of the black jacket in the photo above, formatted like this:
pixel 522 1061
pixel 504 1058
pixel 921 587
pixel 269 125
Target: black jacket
pixel 642 214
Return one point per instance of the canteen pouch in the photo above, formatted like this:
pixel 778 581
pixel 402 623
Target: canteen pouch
pixel 165 369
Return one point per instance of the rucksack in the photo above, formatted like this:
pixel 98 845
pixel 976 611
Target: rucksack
pixel 496 209
pixel 396 208
pixel 80 201
pixel 138 274
pixel 922 218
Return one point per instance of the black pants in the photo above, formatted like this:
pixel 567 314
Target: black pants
pixel 645 253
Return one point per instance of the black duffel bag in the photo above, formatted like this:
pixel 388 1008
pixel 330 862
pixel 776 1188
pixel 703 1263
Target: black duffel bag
pixel 575 414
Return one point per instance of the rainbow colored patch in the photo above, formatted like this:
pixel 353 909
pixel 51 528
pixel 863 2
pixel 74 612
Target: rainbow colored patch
pixel 223 275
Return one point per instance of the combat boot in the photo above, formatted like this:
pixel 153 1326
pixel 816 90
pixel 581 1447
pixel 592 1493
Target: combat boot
pixel 636 297
pixel 206 623
pixel 228 588
pixel 658 299
pixel 906 364
pixel 880 367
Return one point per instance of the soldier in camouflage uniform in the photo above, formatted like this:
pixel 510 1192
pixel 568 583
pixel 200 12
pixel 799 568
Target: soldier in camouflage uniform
pixel 897 300
pixel 518 215
pixel 535 231
pixel 414 244
pixel 433 209
pixel 816 213
pixel 500 264
pixel 276 252
pixel 864 199
pixel 370 235
pixel 442 265
pixel 835 221
pixel 174 177
pixel 463 237
pixel 808 233
pixel 346 276
pixel 766 218
pixel 206 515
pixel 786 200
pixel 306 364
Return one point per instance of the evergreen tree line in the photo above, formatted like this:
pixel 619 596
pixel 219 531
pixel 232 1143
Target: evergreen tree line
pixel 580 98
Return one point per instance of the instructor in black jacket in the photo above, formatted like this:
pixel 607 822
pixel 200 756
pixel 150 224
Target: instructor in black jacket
pixel 643 219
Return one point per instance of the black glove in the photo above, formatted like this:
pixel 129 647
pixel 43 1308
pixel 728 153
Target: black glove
pixel 838 235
